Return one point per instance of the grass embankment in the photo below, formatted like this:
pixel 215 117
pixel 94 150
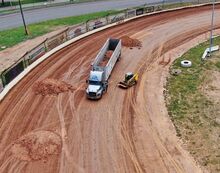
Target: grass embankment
pixel 14 3
pixel 14 36
pixel 176 5
pixel 194 113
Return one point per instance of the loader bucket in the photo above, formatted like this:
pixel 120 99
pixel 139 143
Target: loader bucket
pixel 122 85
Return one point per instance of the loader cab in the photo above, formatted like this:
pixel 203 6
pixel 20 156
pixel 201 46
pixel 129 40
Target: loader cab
pixel 128 76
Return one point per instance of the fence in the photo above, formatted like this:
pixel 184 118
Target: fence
pixel 12 72
pixel 97 23
pixel 76 31
pixel 1 85
pixel 35 53
pixel 56 40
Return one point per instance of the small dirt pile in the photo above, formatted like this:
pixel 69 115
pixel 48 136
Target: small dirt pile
pixel 51 87
pixel 37 146
pixel 130 42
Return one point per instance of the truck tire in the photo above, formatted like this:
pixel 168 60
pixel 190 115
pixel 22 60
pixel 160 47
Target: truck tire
pixel 119 57
pixel 186 63
pixel 101 95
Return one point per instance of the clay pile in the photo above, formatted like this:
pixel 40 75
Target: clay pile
pixel 37 146
pixel 105 60
pixel 51 87
pixel 130 42
pixel 108 54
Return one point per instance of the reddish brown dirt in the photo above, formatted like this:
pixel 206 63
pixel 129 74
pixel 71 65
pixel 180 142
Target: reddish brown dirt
pixel 125 131
pixel 106 58
pixel 37 146
pixel 164 62
pixel 51 87
pixel 108 54
pixel 130 42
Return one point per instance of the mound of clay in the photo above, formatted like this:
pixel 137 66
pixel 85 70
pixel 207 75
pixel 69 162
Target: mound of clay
pixel 37 146
pixel 129 42
pixel 51 87
pixel 108 54
pixel 105 60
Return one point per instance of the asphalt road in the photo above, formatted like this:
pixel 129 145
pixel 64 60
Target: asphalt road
pixel 38 15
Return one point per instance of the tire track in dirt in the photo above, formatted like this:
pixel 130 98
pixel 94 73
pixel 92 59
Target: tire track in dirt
pixel 130 99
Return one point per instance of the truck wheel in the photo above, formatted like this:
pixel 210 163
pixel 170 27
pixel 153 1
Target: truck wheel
pixel 119 57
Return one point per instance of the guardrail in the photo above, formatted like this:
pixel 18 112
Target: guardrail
pixel 207 51
pixel 30 57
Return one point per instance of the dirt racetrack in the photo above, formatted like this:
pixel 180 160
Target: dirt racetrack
pixel 126 131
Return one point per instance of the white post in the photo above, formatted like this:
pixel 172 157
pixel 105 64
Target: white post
pixel 212 26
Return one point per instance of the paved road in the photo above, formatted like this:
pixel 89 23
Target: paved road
pixel 38 15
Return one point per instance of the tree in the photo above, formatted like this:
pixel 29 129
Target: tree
pixel 3 2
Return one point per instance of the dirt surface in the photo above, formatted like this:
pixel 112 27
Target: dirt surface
pixel 51 87
pixel 125 131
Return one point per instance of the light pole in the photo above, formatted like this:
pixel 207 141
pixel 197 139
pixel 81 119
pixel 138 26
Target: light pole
pixel 212 26
pixel 22 15
pixel 163 3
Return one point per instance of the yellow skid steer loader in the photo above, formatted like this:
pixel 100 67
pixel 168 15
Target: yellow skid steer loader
pixel 130 80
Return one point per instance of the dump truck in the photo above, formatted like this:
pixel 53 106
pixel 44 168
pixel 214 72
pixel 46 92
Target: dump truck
pixel 102 68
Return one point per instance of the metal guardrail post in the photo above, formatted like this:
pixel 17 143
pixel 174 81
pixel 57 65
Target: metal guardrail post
pixel 3 79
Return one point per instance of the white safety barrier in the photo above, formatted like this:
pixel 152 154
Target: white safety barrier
pixel 48 54
pixel 206 52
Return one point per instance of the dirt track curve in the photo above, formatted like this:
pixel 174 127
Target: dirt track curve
pixel 124 131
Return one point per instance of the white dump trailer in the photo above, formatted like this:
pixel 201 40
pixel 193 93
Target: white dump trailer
pixel 102 68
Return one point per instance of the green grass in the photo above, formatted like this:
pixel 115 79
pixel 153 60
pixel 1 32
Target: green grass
pixel 175 5
pixel 191 111
pixel 13 3
pixel 14 36
pixel 183 89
